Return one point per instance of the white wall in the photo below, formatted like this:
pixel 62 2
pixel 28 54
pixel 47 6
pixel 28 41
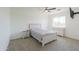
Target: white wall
pixel 21 17
pixel 50 17
pixel 72 25
pixel 72 29
pixel 4 28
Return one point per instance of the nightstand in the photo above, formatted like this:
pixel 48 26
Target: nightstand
pixel 26 34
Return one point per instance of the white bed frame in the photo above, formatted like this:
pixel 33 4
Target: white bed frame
pixel 43 39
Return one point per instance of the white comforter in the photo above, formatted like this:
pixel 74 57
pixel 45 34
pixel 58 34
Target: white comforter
pixel 43 36
pixel 43 32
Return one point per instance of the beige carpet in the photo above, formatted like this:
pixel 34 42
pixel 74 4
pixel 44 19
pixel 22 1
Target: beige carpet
pixel 30 44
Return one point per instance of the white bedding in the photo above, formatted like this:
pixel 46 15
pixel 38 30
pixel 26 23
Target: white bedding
pixel 43 36
pixel 43 32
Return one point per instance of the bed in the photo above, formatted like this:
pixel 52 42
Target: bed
pixel 42 35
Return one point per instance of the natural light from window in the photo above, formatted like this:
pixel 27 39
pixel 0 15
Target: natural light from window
pixel 59 22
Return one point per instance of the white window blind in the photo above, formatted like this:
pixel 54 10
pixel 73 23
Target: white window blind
pixel 59 21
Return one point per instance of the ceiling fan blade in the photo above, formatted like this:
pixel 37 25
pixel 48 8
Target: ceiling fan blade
pixel 53 8
pixel 47 9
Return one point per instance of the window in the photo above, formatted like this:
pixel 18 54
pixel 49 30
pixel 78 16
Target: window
pixel 59 21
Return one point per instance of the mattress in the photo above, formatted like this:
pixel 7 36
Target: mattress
pixel 43 36
pixel 43 32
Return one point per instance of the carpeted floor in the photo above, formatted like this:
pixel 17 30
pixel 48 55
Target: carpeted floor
pixel 30 44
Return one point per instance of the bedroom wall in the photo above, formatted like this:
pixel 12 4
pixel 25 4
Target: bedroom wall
pixel 21 17
pixel 72 28
pixel 62 12
pixel 4 28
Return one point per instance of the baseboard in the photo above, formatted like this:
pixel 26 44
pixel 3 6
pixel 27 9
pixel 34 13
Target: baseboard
pixel 60 35
pixel 71 38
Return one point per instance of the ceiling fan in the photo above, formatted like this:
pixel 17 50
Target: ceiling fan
pixel 48 9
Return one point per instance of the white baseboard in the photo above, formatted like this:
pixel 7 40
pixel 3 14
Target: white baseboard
pixel 70 37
